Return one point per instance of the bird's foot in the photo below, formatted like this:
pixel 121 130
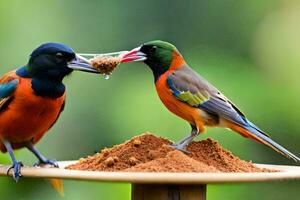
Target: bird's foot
pixel 180 147
pixel 53 163
pixel 17 170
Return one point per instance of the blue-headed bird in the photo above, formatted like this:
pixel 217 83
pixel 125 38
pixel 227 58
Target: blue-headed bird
pixel 32 98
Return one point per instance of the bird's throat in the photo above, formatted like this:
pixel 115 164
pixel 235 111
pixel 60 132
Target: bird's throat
pixel 42 85
pixel 48 87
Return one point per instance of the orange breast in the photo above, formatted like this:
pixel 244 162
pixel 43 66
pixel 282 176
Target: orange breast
pixel 179 108
pixel 28 116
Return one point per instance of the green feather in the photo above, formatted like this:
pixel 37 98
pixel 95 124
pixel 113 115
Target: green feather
pixel 192 99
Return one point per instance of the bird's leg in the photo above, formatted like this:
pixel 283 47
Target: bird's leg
pixel 182 144
pixel 42 159
pixel 16 166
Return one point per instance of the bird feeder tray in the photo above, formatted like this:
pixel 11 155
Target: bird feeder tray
pixel 152 185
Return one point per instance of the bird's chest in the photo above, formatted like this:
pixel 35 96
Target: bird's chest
pixel 176 106
pixel 38 106
pixel 28 114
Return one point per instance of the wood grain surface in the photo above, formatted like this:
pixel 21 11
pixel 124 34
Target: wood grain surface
pixel 286 173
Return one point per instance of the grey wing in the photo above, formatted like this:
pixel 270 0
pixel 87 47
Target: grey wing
pixel 187 85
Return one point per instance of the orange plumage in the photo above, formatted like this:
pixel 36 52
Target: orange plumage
pixel 179 108
pixel 27 116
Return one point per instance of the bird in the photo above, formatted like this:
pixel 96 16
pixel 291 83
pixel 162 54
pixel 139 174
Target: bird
pixel 188 95
pixel 32 98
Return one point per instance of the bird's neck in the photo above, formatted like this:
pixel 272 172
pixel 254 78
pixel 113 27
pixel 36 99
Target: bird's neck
pixel 176 63
pixel 43 85
pixel 46 87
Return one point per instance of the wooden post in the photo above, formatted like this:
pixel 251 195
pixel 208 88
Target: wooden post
pixel 167 192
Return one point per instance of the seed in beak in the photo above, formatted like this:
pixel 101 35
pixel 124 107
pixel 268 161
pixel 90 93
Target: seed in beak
pixel 105 64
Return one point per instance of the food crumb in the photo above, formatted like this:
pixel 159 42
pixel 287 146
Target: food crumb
pixel 137 142
pixel 109 162
pixel 133 160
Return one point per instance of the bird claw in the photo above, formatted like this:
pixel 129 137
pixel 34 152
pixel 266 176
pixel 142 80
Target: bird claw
pixel 47 162
pixel 17 170
pixel 180 147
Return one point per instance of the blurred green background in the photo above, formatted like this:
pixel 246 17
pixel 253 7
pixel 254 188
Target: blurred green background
pixel 248 49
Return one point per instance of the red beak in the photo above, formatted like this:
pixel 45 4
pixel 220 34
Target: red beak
pixel 133 55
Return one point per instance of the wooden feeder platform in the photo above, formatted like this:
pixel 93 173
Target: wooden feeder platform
pixel 161 186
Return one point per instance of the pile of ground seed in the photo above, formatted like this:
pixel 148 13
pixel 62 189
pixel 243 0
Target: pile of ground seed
pixel 175 161
pixel 148 153
pixel 105 64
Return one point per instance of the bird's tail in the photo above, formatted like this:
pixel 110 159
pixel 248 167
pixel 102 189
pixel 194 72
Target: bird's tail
pixel 251 131
pixel 57 184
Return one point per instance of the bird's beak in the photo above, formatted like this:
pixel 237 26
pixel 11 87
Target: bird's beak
pixel 133 55
pixel 82 64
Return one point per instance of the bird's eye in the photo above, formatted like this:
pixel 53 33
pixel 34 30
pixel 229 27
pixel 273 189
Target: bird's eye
pixel 59 55
pixel 153 49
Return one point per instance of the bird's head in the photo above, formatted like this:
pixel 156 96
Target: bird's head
pixel 55 60
pixel 160 56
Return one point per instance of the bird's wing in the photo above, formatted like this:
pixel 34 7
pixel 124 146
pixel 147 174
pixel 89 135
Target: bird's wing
pixel 8 84
pixel 194 90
